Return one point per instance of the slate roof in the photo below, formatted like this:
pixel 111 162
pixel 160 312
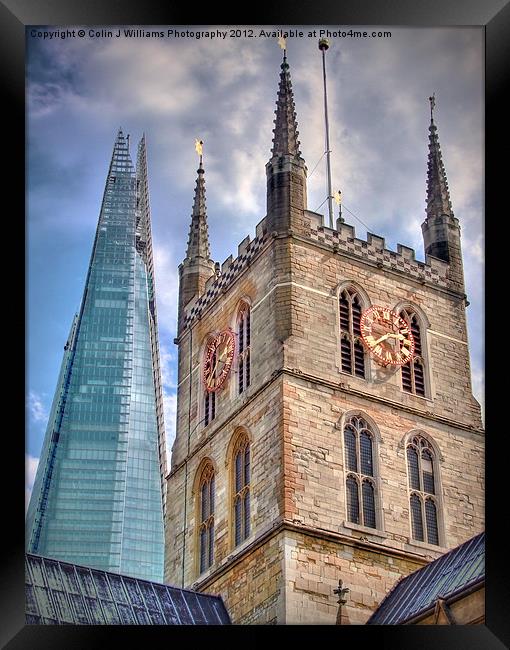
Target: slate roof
pixel 58 592
pixel 452 573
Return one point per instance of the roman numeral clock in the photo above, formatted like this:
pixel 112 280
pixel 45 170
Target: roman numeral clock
pixel 387 336
pixel 219 356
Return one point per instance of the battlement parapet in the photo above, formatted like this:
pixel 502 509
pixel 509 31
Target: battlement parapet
pixel 230 269
pixel 344 240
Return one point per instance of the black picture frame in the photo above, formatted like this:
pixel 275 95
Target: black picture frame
pixel 494 15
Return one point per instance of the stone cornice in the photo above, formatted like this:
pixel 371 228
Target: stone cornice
pixel 282 525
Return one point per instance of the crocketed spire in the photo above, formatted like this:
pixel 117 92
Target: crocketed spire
pixel 438 194
pixel 285 140
pixel 198 240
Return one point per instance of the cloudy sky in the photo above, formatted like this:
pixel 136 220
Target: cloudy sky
pixel 80 90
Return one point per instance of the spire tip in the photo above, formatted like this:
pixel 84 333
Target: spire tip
pixel 432 100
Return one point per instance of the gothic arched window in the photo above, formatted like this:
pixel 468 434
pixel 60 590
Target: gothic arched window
pixel 360 474
pixel 413 373
pixel 423 503
pixel 352 352
pixel 241 489
pixel 206 517
pixel 243 348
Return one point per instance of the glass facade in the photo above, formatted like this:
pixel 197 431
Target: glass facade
pixel 98 498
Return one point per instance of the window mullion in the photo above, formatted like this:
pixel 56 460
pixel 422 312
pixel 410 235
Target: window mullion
pixel 359 477
pixel 424 518
pixel 420 471
pixel 351 333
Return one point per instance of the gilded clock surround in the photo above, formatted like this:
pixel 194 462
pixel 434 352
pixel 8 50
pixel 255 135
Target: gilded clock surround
pixel 378 326
pixel 219 356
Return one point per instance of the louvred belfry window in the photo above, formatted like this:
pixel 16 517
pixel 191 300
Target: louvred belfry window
pixel 241 479
pixel 360 479
pixel 423 505
pixel 243 350
pixel 413 373
pixel 210 400
pixel 209 406
pixel 352 352
pixel 206 517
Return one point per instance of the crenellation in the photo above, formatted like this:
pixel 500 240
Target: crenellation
pixel 376 241
pixel 230 271
pixel 345 230
pixel 243 246
pixel 406 252
pixel 343 240
pixel 261 228
pixel 316 219
pixel 227 264
pixel 436 264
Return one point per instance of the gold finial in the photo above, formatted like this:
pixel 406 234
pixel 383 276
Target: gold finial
pixel 432 101
pixel 282 42
pixel 338 199
pixel 199 149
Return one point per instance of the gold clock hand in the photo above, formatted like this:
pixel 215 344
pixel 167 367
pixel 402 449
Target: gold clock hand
pixel 211 376
pixel 380 339
pixel 396 335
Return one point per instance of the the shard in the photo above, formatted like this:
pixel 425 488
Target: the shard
pixel 98 496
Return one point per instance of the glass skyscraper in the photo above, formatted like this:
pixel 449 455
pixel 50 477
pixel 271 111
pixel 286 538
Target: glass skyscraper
pixel 98 497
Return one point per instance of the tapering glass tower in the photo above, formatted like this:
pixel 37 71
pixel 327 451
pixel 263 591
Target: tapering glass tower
pixel 98 497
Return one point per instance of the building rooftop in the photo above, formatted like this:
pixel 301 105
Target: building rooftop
pixel 452 574
pixel 59 593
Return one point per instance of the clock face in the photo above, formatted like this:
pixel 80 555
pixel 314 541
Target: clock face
pixel 219 355
pixel 387 336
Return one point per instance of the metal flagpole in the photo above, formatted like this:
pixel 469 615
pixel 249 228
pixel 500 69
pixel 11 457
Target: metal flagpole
pixel 323 46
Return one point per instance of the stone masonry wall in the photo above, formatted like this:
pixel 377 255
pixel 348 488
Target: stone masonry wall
pixel 293 412
pixel 253 589
pixel 314 349
pixel 261 419
pixel 315 470
pixel 313 567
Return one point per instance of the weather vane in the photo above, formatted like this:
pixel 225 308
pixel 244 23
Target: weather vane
pixel 199 148
pixel 432 101
pixel 338 199
pixel 282 42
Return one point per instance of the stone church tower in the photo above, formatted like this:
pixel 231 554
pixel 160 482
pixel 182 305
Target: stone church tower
pixel 306 451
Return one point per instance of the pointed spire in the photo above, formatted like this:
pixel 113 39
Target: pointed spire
pixel 198 240
pixel 285 132
pixel 438 194
pixel 441 230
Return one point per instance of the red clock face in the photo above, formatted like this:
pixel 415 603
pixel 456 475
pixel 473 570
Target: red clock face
pixel 387 336
pixel 219 355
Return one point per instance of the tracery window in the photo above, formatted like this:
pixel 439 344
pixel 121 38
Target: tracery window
pixel 241 489
pixel 352 352
pixel 423 503
pixel 206 517
pixel 413 373
pixel 360 474
pixel 243 348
